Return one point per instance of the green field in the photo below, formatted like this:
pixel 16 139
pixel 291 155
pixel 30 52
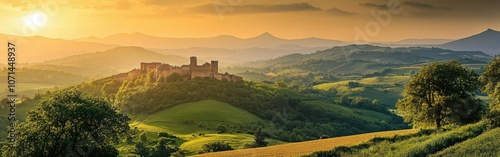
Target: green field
pixel 184 119
pixel 352 112
pixel 188 120
pixel 386 89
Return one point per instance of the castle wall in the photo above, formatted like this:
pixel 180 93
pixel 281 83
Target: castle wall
pixel 192 71
pixel 147 67
pixel 134 73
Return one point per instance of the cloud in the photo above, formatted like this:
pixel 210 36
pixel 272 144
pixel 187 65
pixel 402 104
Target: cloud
pixel 374 6
pixel 168 2
pixel 23 4
pixel 212 8
pixel 412 9
pixel 417 5
pixel 339 12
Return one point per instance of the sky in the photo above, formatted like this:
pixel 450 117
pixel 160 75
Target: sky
pixel 346 20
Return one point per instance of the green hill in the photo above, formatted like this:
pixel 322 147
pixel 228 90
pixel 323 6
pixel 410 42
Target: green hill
pixel 468 140
pixel 188 120
pixel 374 54
pixel 105 63
pixel 486 144
pixel 185 119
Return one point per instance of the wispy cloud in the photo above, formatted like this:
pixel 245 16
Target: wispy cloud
pixel 254 8
pixel 374 6
pixel 417 5
pixel 340 12
pixel 413 9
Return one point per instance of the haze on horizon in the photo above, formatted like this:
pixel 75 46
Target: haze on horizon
pixel 329 19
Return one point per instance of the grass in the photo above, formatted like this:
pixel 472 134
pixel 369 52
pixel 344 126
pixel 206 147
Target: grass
pixel 184 119
pixel 188 120
pixel 386 89
pixel 486 144
pixel 353 112
pixel 386 80
pixel 422 145
pixel 236 141
pixel 304 148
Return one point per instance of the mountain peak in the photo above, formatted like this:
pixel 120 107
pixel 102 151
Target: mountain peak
pixel 489 30
pixel 265 35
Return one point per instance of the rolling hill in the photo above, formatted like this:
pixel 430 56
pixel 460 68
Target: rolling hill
pixel 38 49
pixel 184 119
pixel 188 119
pixel 486 41
pixel 305 148
pixel 109 62
pixel 374 54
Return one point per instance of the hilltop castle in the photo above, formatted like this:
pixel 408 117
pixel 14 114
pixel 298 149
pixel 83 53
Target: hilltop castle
pixel 190 71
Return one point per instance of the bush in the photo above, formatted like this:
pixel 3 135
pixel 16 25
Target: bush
pixel 165 134
pixel 492 119
pixel 324 137
pixel 216 147
pixel 220 128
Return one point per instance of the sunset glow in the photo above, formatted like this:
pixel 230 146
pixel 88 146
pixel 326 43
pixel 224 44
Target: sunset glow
pixel 243 18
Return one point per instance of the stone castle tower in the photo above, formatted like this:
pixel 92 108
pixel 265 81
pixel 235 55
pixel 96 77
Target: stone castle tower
pixel 190 71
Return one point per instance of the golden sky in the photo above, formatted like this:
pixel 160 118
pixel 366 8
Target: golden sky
pixel 345 20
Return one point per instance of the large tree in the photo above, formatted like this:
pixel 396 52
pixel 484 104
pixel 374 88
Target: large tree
pixel 70 123
pixel 491 80
pixel 441 93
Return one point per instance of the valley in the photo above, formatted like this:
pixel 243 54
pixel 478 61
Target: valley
pixel 346 95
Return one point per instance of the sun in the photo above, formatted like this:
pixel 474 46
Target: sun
pixel 38 19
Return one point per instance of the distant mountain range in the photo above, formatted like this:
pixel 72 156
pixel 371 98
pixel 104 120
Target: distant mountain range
pixel 105 63
pixel 228 49
pixel 265 40
pixel 373 54
pixel 487 41
pixel 38 48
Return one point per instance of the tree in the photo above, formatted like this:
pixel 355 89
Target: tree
pixel 220 128
pixel 441 93
pixel 143 137
pixel 491 85
pixel 491 75
pixel 216 147
pixel 141 150
pixel 259 138
pixel 490 80
pixel 162 148
pixel 70 123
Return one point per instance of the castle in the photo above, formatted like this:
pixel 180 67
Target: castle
pixel 190 71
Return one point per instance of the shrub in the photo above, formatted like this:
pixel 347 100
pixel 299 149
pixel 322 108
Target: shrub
pixel 165 134
pixel 323 137
pixel 492 118
pixel 216 147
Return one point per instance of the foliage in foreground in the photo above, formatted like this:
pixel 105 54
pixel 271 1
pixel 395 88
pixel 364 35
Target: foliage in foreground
pixel 70 123
pixel 486 144
pixel 421 144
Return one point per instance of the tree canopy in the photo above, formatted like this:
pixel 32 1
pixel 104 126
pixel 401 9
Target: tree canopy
pixel 441 93
pixel 490 79
pixel 70 123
